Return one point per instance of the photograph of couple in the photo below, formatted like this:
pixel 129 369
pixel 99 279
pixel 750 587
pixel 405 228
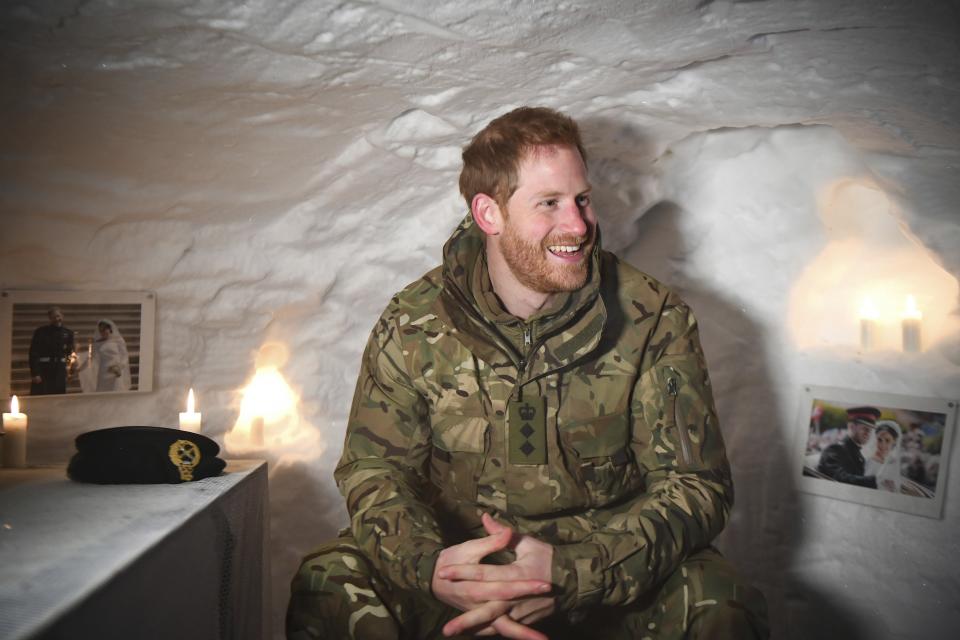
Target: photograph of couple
pixel 882 448
pixel 74 348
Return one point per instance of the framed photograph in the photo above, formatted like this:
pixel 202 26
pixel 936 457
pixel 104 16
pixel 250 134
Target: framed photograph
pixel 879 449
pixel 75 343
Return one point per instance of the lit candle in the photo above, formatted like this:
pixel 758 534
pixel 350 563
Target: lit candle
pixel 190 420
pixel 868 324
pixel 911 326
pixel 14 436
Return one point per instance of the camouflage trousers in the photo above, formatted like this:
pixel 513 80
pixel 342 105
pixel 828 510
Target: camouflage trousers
pixel 338 594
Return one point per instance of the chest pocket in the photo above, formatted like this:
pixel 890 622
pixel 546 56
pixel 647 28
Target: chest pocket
pixel 460 445
pixel 599 458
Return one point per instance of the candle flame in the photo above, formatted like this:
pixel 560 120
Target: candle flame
pixel 911 310
pixel 269 420
pixel 268 396
pixel 14 405
pixel 868 310
pixel 868 251
pixel 190 401
pixel 269 416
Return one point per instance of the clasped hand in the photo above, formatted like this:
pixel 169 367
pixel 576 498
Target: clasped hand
pixel 496 599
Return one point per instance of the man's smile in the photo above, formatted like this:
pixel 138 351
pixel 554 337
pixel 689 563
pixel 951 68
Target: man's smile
pixel 567 249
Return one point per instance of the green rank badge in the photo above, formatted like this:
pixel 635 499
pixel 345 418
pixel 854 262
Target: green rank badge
pixel 528 430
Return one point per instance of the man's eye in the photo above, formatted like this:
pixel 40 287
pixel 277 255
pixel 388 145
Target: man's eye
pixel 552 202
pixel 583 200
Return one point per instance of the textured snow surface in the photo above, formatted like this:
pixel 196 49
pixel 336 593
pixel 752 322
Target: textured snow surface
pixel 274 170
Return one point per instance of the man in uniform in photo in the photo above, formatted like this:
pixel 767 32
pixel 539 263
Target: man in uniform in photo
pixel 51 355
pixel 536 402
pixel 843 460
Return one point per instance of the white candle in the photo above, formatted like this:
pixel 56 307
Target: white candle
pixel 190 420
pixel 868 324
pixel 912 319
pixel 14 437
pixel 256 432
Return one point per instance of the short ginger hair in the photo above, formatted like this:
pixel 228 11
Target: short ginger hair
pixel 491 162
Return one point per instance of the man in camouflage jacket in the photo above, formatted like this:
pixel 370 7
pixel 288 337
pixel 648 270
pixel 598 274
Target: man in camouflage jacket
pixel 537 403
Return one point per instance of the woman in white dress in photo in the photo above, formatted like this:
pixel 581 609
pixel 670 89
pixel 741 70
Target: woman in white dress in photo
pixel 882 454
pixel 107 365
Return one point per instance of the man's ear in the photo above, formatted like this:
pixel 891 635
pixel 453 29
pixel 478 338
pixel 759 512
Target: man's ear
pixel 486 214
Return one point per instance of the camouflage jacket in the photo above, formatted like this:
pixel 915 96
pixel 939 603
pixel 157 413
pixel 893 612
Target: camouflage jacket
pixel 634 477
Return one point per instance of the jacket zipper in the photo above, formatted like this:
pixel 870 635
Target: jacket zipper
pixel 673 390
pixel 522 364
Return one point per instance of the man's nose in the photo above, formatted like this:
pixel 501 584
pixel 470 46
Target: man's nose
pixel 574 219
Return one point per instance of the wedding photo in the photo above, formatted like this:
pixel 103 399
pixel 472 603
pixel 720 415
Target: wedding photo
pixel 877 449
pixel 58 343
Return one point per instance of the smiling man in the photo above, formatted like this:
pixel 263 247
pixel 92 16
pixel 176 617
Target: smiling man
pixel 533 449
pixel 543 248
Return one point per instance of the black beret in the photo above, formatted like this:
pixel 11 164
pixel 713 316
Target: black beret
pixel 143 455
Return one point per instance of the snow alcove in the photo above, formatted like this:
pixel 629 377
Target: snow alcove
pixel 274 170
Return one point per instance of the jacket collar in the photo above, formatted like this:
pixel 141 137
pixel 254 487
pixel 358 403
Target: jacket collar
pixel 565 331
